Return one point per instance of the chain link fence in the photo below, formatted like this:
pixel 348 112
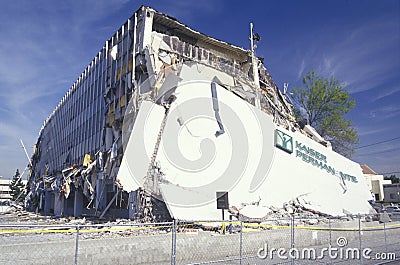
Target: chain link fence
pixel 372 239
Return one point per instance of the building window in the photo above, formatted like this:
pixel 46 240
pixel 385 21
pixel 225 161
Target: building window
pixel 392 196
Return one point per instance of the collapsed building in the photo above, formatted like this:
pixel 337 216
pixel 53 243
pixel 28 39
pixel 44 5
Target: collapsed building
pixel 164 118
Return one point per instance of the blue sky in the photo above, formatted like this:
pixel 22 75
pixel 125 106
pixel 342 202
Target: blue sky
pixel 47 44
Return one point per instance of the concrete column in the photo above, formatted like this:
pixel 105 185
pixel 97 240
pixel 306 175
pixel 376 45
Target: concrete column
pixel 41 202
pixel 58 204
pixel 132 204
pixel 78 201
pixel 101 193
pixel 48 202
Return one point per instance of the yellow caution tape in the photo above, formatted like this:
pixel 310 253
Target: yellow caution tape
pixel 258 225
pixel 80 230
pixel 223 224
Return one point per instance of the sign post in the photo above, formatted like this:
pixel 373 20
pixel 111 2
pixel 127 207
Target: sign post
pixel 222 203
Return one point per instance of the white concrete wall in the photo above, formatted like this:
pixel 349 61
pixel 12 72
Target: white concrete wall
pixel 375 184
pixel 244 161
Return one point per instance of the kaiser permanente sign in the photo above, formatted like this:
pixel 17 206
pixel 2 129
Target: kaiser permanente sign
pixel 308 155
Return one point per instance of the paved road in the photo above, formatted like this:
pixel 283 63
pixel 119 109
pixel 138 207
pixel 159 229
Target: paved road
pixel 204 247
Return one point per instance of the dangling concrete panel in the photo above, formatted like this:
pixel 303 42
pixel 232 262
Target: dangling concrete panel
pixel 140 146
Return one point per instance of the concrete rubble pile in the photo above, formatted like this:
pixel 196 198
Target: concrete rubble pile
pixel 90 228
pixel 62 183
pixel 296 208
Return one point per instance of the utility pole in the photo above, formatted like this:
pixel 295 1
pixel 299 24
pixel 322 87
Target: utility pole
pixel 254 62
pixel 23 146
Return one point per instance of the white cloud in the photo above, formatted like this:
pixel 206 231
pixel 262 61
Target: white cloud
pixel 300 72
pixel 357 56
pixel 385 112
pixel 386 93
pixel 365 131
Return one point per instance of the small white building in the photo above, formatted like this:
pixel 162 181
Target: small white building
pixel 375 182
pixel 5 192
pixel 5 189
pixel 392 192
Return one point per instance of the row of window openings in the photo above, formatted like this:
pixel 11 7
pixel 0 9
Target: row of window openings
pixel 74 107
pixel 75 153
pixel 73 116
pixel 95 121
pixel 99 65
pixel 82 132
pixel 63 126
pixel 85 101
pixel 66 122
pixel 95 71
pixel 72 110
pixel 98 76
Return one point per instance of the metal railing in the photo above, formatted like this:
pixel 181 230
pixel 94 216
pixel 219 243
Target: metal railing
pixel 360 239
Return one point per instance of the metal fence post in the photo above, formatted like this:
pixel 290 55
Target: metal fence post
pixel 330 230
pixel 384 231
pixel 240 243
pixel 359 236
pixel 292 235
pixel 76 245
pixel 173 251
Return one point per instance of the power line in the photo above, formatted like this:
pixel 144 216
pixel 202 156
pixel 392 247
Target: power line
pixel 381 142
pixel 387 173
pixel 378 152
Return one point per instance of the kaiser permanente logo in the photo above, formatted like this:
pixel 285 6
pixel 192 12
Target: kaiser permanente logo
pixel 283 141
pixel 309 155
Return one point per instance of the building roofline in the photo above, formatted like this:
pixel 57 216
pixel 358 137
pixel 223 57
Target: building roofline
pixel 367 170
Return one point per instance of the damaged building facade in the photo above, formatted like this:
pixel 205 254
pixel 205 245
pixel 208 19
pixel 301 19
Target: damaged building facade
pixel 164 117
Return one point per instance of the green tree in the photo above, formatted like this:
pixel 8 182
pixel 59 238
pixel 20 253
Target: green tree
pixel 17 188
pixel 393 178
pixel 323 103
